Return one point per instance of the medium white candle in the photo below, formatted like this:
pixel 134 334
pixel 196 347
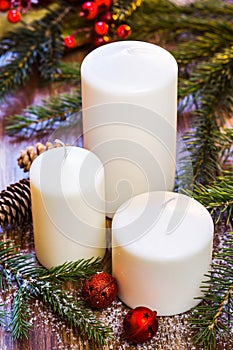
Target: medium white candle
pixel 67 191
pixel 162 247
pixel 129 95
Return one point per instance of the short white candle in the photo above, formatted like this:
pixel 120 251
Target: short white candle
pixel 67 191
pixel 162 247
pixel 129 96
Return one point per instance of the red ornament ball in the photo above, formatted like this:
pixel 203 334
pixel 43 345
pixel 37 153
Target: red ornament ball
pixel 4 5
pixel 14 16
pixel 101 28
pixel 89 10
pixel 100 290
pixel 123 31
pixel 70 42
pixel 140 324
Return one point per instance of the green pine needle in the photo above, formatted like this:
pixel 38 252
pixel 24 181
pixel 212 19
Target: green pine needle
pixel 74 312
pixel 213 318
pixel 216 197
pixel 42 41
pixel 19 324
pixel 43 118
pixel 72 270
pixel 122 9
pixel 3 314
pixel 31 281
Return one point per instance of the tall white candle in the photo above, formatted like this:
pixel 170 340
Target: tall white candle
pixel 67 190
pixel 129 94
pixel 162 247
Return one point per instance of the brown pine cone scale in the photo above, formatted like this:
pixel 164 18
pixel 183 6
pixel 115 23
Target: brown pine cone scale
pixel 15 204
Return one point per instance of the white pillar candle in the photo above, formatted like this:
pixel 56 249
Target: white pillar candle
pixel 129 95
pixel 67 191
pixel 162 247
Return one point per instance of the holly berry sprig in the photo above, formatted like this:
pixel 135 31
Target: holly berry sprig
pixel 105 25
pixel 15 8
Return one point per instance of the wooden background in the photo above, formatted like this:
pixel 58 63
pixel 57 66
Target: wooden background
pixel 48 331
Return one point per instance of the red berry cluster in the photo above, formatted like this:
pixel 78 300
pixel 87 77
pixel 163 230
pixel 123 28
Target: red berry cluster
pixel 105 28
pixel 15 8
pixel 13 15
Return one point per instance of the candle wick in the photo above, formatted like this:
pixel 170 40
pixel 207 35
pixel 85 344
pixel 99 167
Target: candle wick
pixel 63 145
pixel 169 200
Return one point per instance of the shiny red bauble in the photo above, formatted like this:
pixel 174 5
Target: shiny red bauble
pixel 100 290
pixel 5 5
pixel 140 324
pixel 101 28
pixel 14 16
pixel 89 10
pixel 123 31
pixel 70 42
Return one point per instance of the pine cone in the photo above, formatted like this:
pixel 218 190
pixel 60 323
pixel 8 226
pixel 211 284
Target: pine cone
pixel 15 204
pixel 29 155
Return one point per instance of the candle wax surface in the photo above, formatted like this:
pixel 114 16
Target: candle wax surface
pixel 129 96
pixel 68 208
pixel 133 64
pixel 161 240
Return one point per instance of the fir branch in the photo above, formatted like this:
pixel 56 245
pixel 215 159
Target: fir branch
pixel 216 197
pixel 213 75
pixel 74 312
pixel 43 118
pixel 72 270
pixel 14 264
pixel 31 281
pixel 201 165
pixel 68 73
pixel 3 314
pixel 171 20
pixel 210 86
pixel 213 317
pixel 41 41
pixel 122 9
pixel 19 324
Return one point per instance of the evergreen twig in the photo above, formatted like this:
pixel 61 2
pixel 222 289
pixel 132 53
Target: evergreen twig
pixel 3 314
pixel 74 312
pixel 213 318
pixel 41 41
pixel 19 324
pixel 72 270
pixel 32 281
pixel 217 197
pixel 122 9
pixel 44 118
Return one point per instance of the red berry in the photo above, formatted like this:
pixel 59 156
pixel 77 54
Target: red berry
pixel 69 41
pixel 4 5
pixel 140 324
pixel 89 10
pixel 14 16
pixel 107 17
pixel 123 31
pixel 101 40
pixel 101 28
